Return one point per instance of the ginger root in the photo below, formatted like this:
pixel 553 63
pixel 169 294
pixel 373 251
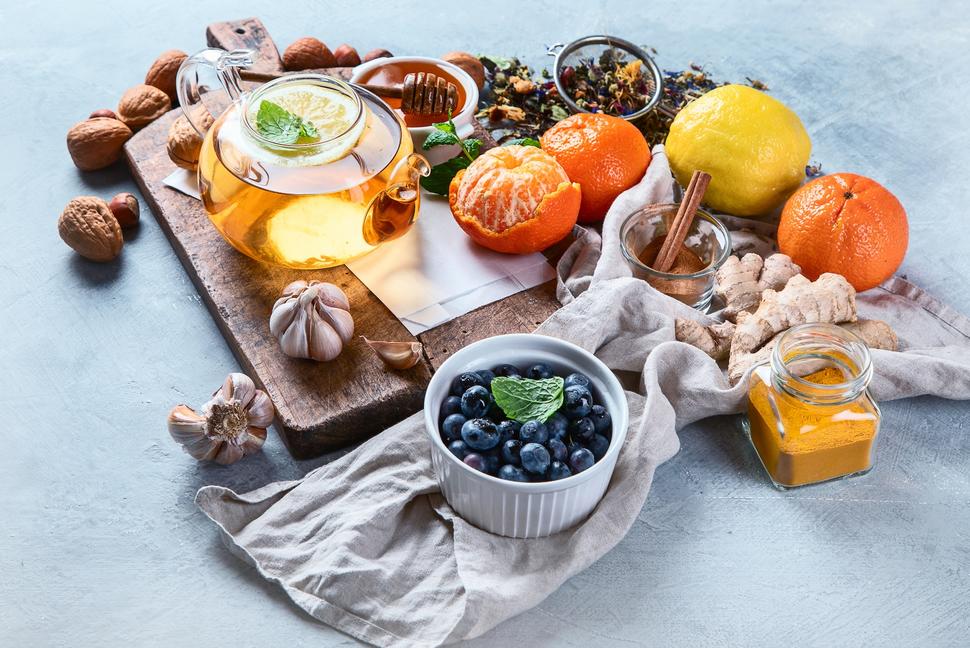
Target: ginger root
pixel 830 298
pixel 741 282
pixel 875 333
pixel 714 340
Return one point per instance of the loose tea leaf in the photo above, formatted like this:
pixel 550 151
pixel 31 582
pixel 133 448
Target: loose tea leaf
pixel 523 399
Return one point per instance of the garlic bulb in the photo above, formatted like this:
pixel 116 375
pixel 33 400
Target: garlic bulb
pixel 232 425
pixel 311 320
pixel 396 355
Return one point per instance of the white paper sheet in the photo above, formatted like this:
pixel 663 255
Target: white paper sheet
pixel 434 273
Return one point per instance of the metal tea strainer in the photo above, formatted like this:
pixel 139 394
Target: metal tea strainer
pixel 593 48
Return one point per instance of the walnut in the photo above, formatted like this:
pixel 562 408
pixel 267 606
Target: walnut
pixel 163 71
pixel 469 63
pixel 96 143
pixel 376 54
pixel 184 142
pixel 308 53
pixel 346 56
pixel 89 227
pixel 142 105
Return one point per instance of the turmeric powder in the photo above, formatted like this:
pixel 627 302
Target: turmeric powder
pixel 803 442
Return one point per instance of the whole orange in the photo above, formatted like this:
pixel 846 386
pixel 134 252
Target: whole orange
pixel 606 155
pixel 846 224
pixel 514 199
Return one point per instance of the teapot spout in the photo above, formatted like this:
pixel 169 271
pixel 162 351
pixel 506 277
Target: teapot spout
pixel 394 210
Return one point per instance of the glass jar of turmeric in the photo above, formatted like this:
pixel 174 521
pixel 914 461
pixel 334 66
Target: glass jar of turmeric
pixel 810 416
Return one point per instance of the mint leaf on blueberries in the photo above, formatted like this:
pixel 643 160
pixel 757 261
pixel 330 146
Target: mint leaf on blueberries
pixel 523 141
pixel 524 399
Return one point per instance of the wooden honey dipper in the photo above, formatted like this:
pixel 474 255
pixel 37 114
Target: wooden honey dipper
pixel 422 93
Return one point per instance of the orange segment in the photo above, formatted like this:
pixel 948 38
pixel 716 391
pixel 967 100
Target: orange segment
pixel 514 199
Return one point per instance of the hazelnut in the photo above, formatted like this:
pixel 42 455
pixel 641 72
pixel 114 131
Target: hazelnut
pixel 346 56
pixel 142 105
pixel 184 142
pixel 89 227
pixel 470 64
pixel 163 72
pixel 376 54
pixel 308 53
pixel 96 143
pixel 125 208
pixel 104 112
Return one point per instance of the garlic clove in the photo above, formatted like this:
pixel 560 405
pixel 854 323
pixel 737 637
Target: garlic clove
pixel 325 344
pixel 187 428
pixel 341 321
pixel 238 387
pixel 261 412
pixel 396 355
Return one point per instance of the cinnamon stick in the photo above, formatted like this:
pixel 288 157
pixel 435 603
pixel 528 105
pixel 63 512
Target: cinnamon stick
pixel 677 232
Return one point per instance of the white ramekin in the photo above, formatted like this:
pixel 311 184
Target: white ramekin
pixel 464 118
pixel 524 510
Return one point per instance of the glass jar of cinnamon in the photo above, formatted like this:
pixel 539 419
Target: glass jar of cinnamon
pixel 810 416
pixel 690 278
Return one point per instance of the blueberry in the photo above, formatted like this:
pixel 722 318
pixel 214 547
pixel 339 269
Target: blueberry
pixel 581 430
pixel 576 402
pixel 577 380
pixel 506 371
pixel 559 470
pixel 602 421
pixel 451 426
pixel 579 460
pixel 533 432
pixel 512 473
pixel 557 425
pixel 598 446
pixel 475 402
pixel 480 434
pixel 475 461
pixel 458 448
pixel 451 405
pixel 510 452
pixel 539 371
pixel 557 450
pixel 492 461
pixel 486 375
pixel 507 430
pixel 468 379
pixel 495 413
pixel 535 458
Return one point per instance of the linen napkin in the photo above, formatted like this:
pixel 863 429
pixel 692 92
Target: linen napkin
pixel 368 545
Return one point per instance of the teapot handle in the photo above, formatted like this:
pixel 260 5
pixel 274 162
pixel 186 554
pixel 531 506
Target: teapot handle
pixel 392 212
pixel 191 90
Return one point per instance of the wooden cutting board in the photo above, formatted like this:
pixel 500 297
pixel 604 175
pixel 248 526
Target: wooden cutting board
pixel 320 406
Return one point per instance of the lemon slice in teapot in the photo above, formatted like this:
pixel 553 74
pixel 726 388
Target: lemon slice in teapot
pixel 335 122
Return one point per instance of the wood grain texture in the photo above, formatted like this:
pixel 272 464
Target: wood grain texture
pixel 247 33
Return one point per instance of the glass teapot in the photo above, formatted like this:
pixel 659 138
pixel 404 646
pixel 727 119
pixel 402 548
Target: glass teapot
pixel 305 171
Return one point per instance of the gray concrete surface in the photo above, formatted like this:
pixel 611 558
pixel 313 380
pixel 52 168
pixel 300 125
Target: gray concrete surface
pixel 100 543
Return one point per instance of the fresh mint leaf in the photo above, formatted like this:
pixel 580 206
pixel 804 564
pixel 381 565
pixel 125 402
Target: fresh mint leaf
pixel 440 138
pixel 438 181
pixel 307 129
pixel 447 127
pixel 277 124
pixel 524 399
pixel 523 141
pixel 472 147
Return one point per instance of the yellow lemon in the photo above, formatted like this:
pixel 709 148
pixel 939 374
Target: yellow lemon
pixel 754 147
